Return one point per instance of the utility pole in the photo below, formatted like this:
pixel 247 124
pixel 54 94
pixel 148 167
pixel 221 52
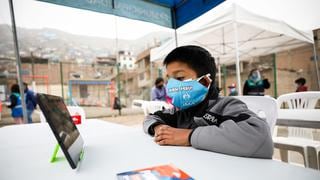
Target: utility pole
pixel 118 87
pixel 32 71
pixel 61 79
pixel 275 76
pixel 19 68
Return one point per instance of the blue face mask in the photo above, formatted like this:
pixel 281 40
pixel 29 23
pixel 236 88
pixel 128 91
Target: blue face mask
pixel 185 94
pixel 255 76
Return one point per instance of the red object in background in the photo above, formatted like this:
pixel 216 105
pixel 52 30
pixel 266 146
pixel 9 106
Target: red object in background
pixel 76 119
pixel 302 88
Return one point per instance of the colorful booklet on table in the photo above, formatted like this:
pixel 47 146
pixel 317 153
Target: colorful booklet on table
pixel 163 172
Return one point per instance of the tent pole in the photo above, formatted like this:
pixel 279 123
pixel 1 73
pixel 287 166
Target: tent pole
pixel 176 37
pixel 235 28
pixel 316 62
pixel 219 72
pixel 19 68
pixel 118 66
pixel 174 25
pixel 224 69
pixel 275 75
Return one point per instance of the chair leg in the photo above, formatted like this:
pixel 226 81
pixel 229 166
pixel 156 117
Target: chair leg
pixel 311 158
pixel 319 160
pixel 283 155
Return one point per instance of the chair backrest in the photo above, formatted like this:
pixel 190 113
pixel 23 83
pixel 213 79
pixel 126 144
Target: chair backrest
pixel 264 107
pixel 73 110
pixel 150 106
pixel 137 103
pixel 77 110
pixel 299 100
pixel 153 106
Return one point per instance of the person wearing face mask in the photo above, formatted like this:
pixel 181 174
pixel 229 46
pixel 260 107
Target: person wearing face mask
pixel 200 117
pixel 254 85
pixel 158 92
pixel 232 90
pixel 300 83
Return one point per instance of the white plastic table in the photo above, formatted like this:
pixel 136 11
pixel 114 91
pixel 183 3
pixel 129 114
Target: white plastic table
pixel 308 118
pixel 25 151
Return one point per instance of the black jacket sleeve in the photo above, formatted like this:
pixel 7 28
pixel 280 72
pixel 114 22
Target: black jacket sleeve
pixel 266 84
pixel 167 116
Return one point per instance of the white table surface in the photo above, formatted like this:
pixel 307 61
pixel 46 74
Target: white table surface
pixel 25 151
pixel 309 118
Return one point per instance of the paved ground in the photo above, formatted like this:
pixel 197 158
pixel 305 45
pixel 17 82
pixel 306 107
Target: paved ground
pixel 91 112
pixel 130 117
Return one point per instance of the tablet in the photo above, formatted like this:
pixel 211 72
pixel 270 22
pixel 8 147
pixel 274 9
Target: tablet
pixel 62 126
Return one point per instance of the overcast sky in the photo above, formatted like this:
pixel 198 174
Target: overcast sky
pixel 303 14
pixel 35 14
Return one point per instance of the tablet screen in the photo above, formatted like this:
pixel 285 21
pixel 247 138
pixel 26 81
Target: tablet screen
pixel 61 123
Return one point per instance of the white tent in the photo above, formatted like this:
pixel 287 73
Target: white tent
pixel 232 33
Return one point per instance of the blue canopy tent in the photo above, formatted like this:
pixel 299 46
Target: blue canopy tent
pixel 168 13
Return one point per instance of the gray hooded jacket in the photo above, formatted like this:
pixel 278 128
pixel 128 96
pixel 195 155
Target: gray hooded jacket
pixel 223 125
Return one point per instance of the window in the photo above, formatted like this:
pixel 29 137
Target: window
pixel 141 76
pixel 83 91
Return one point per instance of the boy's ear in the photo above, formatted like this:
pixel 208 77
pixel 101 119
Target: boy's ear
pixel 206 81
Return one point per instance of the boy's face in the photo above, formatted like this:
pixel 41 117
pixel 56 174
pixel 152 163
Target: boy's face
pixel 180 71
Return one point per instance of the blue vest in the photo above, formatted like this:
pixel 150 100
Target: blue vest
pixel 17 109
pixel 255 88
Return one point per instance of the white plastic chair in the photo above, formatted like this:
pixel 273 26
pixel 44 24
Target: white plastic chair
pixel 77 110
pixel 140 104
pixel 150 106
pixel 73 110
pixel 299 139
pixel 263 106
pixel 153 106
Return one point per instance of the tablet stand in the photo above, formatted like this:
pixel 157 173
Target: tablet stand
pixel 55 152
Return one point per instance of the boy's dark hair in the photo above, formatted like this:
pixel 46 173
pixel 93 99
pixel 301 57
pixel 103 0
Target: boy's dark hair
pixel 15 88
pixel 301 81
pixel 197 58
pixel 158 80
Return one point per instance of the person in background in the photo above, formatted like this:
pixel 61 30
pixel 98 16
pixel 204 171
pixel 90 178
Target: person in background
pixel 31 101
pixel 201 118
pixel 232 90
pixel 300 82
pixel 15 104
pixel 158 92
pixel 254 85
pixel 117 104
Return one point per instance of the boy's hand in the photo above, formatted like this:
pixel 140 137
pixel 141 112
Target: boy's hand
pixel 166 135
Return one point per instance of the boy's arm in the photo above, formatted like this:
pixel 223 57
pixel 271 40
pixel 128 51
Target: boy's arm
pixel 167 117
pixel 249 137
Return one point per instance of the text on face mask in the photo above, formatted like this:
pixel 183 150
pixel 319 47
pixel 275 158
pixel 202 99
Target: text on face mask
pixel 183 88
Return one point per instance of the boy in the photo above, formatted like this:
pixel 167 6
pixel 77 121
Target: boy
pixel 31 101
pixel 201 118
